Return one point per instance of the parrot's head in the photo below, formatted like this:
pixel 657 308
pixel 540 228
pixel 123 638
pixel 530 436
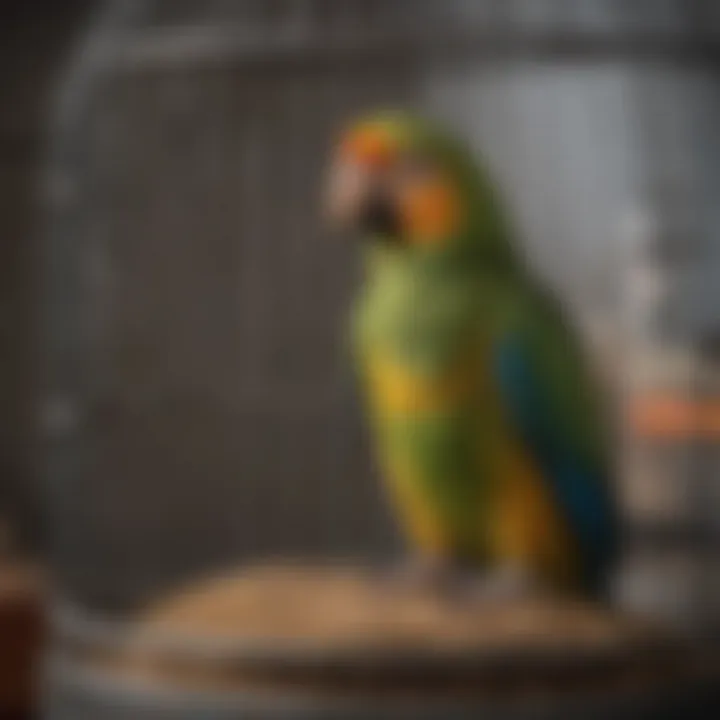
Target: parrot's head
pixel 408 184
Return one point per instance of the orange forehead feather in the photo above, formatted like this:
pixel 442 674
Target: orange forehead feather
pixel 368 145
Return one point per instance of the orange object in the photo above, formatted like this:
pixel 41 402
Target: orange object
pixel 674 416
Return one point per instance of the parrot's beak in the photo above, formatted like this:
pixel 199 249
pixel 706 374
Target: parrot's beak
pixel 357 200
pixel 347 187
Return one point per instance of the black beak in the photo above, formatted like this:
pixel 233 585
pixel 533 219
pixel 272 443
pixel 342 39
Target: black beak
pixel 379 216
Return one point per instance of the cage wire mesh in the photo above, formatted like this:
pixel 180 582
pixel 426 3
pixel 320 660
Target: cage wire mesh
pixel 199 406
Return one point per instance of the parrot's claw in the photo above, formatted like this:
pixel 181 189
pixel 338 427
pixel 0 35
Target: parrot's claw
pixel 457 583
pixel 503 584
pixel 422 574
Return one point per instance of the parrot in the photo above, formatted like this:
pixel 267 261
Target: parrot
pixel 484 419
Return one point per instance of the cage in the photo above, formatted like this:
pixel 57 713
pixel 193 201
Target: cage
pixel 198 408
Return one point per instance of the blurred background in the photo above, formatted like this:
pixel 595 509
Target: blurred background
pixel 36 39
pixel 34 42
pixel 175 393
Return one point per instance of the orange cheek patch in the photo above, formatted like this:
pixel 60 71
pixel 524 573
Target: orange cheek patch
pixel 430 212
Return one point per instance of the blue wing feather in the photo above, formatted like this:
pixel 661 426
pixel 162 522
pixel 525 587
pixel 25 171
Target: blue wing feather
pixel 580 489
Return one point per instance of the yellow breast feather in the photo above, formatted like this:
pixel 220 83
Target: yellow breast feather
pixel 398 390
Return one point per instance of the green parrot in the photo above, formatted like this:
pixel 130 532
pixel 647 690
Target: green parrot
pixel 485 424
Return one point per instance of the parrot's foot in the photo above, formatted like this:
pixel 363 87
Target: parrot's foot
pixel 459 583
pixel 422 573
pixel 503 584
